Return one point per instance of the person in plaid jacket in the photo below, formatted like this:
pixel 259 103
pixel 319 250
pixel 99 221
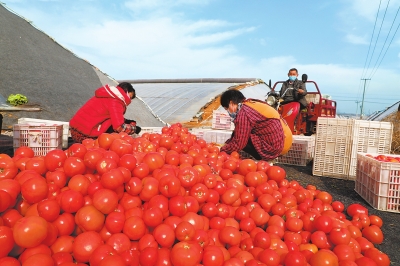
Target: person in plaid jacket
pixel 257 134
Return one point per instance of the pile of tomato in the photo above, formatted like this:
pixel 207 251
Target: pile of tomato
pixel 171 199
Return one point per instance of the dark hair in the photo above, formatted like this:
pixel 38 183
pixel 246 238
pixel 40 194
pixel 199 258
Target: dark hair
pixel 294 69
pixel 231 95
pixel 127 87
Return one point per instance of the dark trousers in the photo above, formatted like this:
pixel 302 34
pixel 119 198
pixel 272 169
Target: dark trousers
pixel 249 148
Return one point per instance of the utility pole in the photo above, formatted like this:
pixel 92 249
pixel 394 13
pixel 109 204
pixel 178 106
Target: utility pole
pixel 362 103
pixel 357 107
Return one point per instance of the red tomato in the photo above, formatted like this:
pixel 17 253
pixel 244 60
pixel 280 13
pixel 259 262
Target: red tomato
pixel 8 169
pixel 134 228
pixel 154 160
pixel 6 241
pixel 324 257
pixel 71 201
pixel 276 173
pixel 338 206
pixel 188 176
pixel 85 244
pixel 74 166
pixel 374 219
pixel 295 258
pixel 105 200
pixel 54 159
pixel 186 253
pixel 164 235
pixel 30 231
pixel 378 256
pixel 354 208
pixel 246 166
pixel 340 236
pixel 373 233
pixel 89 218
pixel 323 223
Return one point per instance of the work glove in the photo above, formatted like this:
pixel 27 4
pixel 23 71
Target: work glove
pixel 128 129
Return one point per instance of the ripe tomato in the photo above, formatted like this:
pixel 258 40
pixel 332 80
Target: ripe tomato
pixel 276 173
pixel 354 208
pixel 89 218
pixel 186 253
pixel 8 169
pixel 246 166
pixel 6 241
pixel 85 244
pixel 54 159
pixel 154 160
pixel 164 235
pixel 373 233
pixel 105 200
pixel 324 257
pixel 74 166
pixel 374 219
pixel 378 256
pixel 30 231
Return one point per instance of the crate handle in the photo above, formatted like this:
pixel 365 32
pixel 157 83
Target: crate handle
pixel 36 137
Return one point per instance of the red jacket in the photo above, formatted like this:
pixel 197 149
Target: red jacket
pixel 105 109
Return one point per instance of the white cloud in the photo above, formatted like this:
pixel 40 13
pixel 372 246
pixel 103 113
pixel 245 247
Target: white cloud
pixel 354 39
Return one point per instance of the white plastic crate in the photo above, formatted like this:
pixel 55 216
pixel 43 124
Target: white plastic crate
pixel 217 136
pixel 34 121
pixel 222 120
pixel 199 132
pixel 333 147
pixel 378 182
pixel 41 138
pixel 370 137
pixel 301 152
pixel 150 130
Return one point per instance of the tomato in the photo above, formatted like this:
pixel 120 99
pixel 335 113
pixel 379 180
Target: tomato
pixel 30 231
pixel 85 244
pixel 36 164
pixel 213 256
pixel 374 219
pixel 74 166
pixel 89 218
pixel 6 240
pixel 188 176
pixel 48 209
pixel 354 208
pixel 186 253
pixel 340 236
pixel 294 258
pixel 373 233
pixel 229 235
pixel 149 188
pixel 105 200
pixel 324 257
pixel 365 261
pixel 338 206
pixel 169 186
pixel 71 201
pixel 112 179
pixel 54 159
pixel 8 169
pixel 276 173
pixel 134 228
pixel 246 166
pixel 164 235
pixel 378 256
pixel 323 223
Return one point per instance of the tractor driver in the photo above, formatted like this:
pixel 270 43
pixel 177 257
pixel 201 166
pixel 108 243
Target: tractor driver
pixel 294 90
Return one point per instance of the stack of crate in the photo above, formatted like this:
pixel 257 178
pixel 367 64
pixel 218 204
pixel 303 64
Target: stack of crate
pixel 301 152
pixel 222 120
pixel 378 182
pixel 339 140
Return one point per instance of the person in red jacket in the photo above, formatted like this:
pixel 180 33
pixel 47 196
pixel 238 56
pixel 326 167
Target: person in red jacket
pixel 104 113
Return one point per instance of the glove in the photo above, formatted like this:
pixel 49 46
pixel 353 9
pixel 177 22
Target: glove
pixel 127 128
pixel 137 129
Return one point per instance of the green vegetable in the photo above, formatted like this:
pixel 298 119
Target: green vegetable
pixel 17 99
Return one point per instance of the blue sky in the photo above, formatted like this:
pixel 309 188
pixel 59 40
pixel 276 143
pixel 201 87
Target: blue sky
pixel 330 40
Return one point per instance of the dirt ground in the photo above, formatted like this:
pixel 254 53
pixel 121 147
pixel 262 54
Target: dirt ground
pixel 343 190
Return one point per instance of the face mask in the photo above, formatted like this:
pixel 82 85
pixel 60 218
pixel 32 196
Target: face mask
pixel 292 78
pixel 233 115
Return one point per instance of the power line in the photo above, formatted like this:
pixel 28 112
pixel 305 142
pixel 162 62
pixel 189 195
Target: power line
pixel 391 26
pixel 376 41
pixel 372 36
